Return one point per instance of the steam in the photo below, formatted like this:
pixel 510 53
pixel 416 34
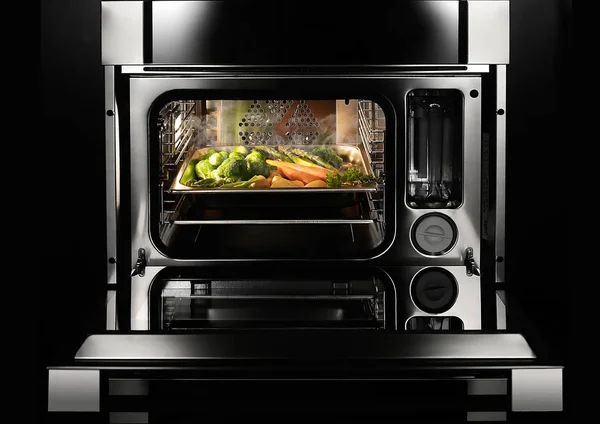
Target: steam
pixel 328 126
pixel 222 125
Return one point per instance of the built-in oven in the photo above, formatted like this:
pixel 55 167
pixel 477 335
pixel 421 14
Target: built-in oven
pixel 305 199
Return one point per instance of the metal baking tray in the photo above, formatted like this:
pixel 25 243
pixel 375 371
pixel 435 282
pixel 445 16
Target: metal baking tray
pixel 357 156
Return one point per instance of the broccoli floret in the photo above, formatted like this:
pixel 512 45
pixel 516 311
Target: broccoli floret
pixel 203 169
pixel 225 154
pixel 232 169
pixel 241 149
pixel 257 153
pixel 257 166
pixel 328 155
pixel 237 155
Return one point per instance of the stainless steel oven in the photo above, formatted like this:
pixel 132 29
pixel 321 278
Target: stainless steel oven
pixel 296 193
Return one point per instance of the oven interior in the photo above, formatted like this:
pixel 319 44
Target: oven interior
pixel 318 220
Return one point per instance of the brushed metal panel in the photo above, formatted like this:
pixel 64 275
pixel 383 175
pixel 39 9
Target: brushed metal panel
pixel 489 32
pixel 537 390
pixel 500 200
pixel 112 172
pixel 74 390
pixel 122 32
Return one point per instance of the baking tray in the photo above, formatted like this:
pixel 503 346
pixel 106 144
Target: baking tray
pixel 356 155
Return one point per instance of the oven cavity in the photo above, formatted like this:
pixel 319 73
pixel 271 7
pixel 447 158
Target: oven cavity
pixel 269 178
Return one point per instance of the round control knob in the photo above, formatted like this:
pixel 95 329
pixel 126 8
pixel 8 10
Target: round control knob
pixel 434 234
pixel 434 290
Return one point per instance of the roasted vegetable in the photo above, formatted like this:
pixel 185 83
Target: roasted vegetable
pixel 293 171
pixel 236 155
pixel 352 176
pixel 257 153
pixel 313 158
pixel 316 184
pixel 258 167
pixel 283 183
pixel 216 159
pixel 203 169
pixel 260 182
pixel 243 150
pixel 189 174
pixel 328 155
pixel 232 169
pixel 299 160
pixel 243 184
pixel 207 183
pixel 272 153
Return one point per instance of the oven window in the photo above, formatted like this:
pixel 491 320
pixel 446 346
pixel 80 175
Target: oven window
pixel 434 179
pixel 200 304
pixel 263 178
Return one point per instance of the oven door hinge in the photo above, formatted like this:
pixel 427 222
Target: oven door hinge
pixel 472 268
pixel 140 264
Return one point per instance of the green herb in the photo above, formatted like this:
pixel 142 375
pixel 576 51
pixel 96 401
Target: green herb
pixel 352 177
pixel 333 180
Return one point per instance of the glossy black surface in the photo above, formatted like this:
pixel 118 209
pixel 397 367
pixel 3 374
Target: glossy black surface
pixel 276 33
pixel 305 345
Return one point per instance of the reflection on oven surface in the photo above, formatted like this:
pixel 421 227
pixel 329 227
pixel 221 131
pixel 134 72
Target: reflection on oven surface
pixel 293 304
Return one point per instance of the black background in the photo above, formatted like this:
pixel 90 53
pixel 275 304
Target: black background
pixel 72 115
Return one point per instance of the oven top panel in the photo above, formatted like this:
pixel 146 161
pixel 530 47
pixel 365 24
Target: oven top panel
pixel 256 33
pixel 272 33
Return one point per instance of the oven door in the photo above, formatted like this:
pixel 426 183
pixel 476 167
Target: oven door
pixel 181 378
pixel 177 217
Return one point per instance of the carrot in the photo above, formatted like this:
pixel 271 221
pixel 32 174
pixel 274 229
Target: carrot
pixel 309 172
pixel 295 175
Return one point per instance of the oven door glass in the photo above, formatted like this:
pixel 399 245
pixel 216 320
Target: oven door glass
pixel 434 179
pixel 184 300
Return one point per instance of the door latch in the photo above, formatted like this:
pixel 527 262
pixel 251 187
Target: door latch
pixel 472 268
pixel 140 265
